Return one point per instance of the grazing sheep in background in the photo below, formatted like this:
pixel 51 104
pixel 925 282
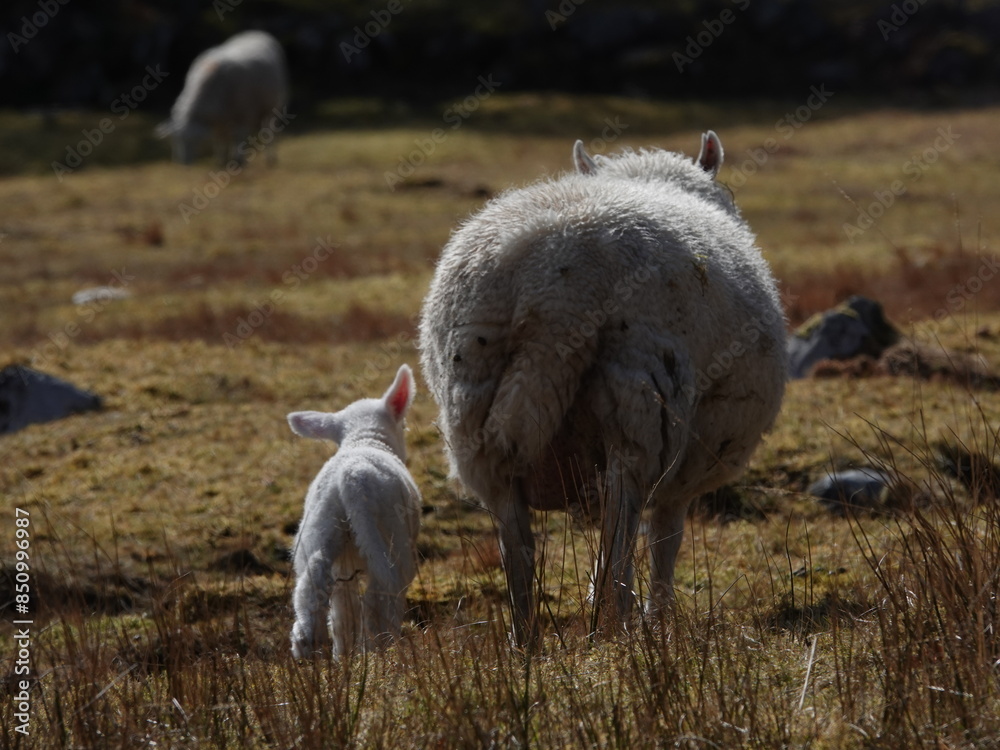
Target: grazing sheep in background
pixel 229 93
pixel 362 515
pixel 603 340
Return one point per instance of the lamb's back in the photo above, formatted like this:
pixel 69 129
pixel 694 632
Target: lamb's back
pixel 369 493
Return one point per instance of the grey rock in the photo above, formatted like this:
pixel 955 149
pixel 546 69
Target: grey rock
pixel 28 396
pixel 858 326
pixel 856 488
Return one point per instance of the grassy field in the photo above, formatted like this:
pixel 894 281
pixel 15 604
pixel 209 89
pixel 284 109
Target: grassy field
pixel 160 526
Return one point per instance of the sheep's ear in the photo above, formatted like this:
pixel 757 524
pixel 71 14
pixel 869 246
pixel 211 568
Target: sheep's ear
pixel 319 425
pixel 710 158
pixel 400 394
pixel 584 164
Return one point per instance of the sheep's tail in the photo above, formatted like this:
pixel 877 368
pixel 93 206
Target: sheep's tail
pixel 550 355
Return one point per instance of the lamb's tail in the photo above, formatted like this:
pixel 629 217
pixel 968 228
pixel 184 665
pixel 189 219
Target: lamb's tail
pixel 384 523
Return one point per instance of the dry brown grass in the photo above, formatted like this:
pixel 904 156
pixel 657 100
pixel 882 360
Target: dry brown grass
pixel 161 525
pixel 918 285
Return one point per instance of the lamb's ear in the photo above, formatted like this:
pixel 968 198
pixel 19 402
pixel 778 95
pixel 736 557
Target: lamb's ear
pixel 319 425
pixel 710 158
pixel 584 164
pixel 400 394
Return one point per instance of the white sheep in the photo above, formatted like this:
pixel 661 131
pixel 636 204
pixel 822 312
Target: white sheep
pixel 607 339
pixel 362 515
pixel 230 93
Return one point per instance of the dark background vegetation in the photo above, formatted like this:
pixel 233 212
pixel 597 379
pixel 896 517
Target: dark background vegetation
pixel 91 50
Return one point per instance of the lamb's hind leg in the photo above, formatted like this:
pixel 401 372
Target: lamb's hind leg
pixel 312 592
pixel 517 550
pixel 385 602
pixel 345 607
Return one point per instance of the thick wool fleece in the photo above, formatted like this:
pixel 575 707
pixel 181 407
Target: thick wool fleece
pixel 617 323
pixel 229 92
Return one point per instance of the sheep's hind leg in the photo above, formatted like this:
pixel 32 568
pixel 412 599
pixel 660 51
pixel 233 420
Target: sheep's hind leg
pixel 666 530
pixel 517 550
pixel 615 570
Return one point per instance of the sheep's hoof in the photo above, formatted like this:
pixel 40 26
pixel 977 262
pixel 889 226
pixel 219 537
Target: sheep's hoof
pixel 302 647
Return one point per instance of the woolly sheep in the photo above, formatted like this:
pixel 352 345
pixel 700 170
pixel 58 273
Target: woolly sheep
pixel 601 341
pixel 362 515
pixel 229 94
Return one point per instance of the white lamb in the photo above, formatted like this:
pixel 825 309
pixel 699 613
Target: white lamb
pixel 362 515
pixel 229 94
pixel 601 341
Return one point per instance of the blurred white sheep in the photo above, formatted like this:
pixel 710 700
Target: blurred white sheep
pixel 610 340
pixel 362 515
pixel 230 93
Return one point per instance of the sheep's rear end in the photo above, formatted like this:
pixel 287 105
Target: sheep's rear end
pixel 608 340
